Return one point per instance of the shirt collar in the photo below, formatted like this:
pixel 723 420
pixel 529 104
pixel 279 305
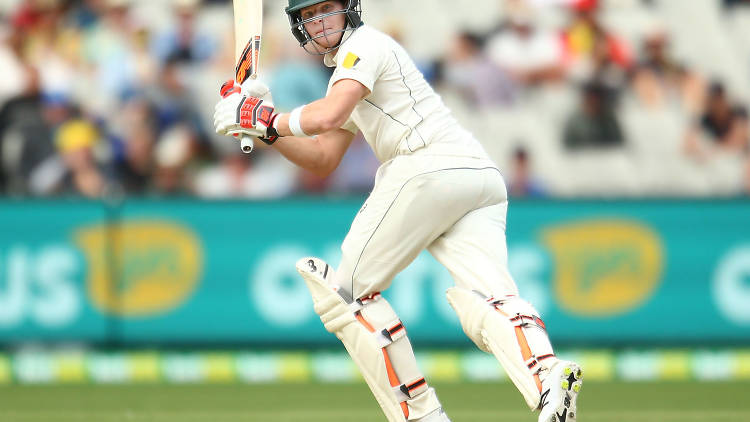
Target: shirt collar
pixel 330 59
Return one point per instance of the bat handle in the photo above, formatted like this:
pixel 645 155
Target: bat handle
pixel 246 143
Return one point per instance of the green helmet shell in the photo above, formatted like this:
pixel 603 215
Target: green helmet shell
pixel 297 5
pixel 352 10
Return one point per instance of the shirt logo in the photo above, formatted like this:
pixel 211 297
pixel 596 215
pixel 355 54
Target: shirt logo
pixel 351 60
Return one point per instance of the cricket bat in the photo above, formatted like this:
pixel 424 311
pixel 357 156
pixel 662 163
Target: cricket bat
pixel 248 25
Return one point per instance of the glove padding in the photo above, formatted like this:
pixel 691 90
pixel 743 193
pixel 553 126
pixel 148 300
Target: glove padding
pixel 256 88
pixel 240 112
pixel 251 88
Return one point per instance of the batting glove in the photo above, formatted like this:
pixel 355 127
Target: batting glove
pixel 256 88
pixel 239 113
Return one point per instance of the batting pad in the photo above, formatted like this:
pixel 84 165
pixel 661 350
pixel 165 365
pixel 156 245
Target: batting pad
pixel 376 340
pixel 510 329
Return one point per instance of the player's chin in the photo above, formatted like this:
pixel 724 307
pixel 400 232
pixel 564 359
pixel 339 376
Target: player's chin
pixel 328 40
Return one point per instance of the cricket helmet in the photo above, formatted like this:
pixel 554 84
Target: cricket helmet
pixel 352 10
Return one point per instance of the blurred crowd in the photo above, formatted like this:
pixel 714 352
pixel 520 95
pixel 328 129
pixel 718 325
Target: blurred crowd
pixel 573 107
pixel 570 97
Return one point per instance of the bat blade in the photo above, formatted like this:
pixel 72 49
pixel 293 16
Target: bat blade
pixel 248 26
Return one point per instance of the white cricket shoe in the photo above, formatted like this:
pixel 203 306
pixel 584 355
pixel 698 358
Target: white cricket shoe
pixel 560 392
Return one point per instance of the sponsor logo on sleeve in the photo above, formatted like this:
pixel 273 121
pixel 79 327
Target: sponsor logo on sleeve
pixel 351 60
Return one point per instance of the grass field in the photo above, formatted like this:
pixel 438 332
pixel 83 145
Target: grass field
pixel 607 402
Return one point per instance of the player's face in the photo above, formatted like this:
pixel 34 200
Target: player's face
pixel 325 31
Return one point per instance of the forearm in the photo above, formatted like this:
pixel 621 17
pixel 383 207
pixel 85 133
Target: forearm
pixel 318 142
pixel 318 117
pixel 306 153
pixel 320 155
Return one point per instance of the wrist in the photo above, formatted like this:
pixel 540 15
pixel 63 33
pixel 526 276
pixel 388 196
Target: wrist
pixel 295 123
pixel 272 132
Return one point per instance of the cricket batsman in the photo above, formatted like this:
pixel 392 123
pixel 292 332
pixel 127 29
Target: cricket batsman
pixel 436 189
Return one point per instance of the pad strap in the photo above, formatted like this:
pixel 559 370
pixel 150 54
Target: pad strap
pixel 414 387
pixel 386 336
pixel 534 360
pixel 521 321
pixel 377 342
pixel 511 329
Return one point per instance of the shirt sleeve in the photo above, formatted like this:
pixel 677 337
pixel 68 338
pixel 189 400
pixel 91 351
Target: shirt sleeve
pixel 350 126
pixel 360 62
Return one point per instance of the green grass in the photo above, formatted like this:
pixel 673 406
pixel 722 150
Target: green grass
pixel 605 402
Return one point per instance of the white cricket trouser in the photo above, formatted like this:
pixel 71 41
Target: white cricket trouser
pixel 454 206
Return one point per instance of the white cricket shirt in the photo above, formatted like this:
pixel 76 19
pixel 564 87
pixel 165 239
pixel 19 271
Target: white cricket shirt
pixel 402 114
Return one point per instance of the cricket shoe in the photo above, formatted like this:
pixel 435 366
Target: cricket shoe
pixel 560 392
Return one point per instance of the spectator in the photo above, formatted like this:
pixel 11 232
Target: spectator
pixel 240 176
pixel 730 4
pixel 530 54
pixel 140 74
pixel 605 70
pixel 594 124
pixel 27 123
pixel 51 45
pixel 85 14
pixel 724 126
pixel 229 178
pixel 80 173
pixel 585 38
pixel 14 68
pixel 133 164
pixel 13 84
pixel 659 78
pixel 480 82
pixel 522 183
pixel 174 154
pixel 184 43
pixel 174 102
pixel 109 52
pixel 740 136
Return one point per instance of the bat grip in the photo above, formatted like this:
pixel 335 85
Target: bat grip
pixel 246 143
pixel 229 88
